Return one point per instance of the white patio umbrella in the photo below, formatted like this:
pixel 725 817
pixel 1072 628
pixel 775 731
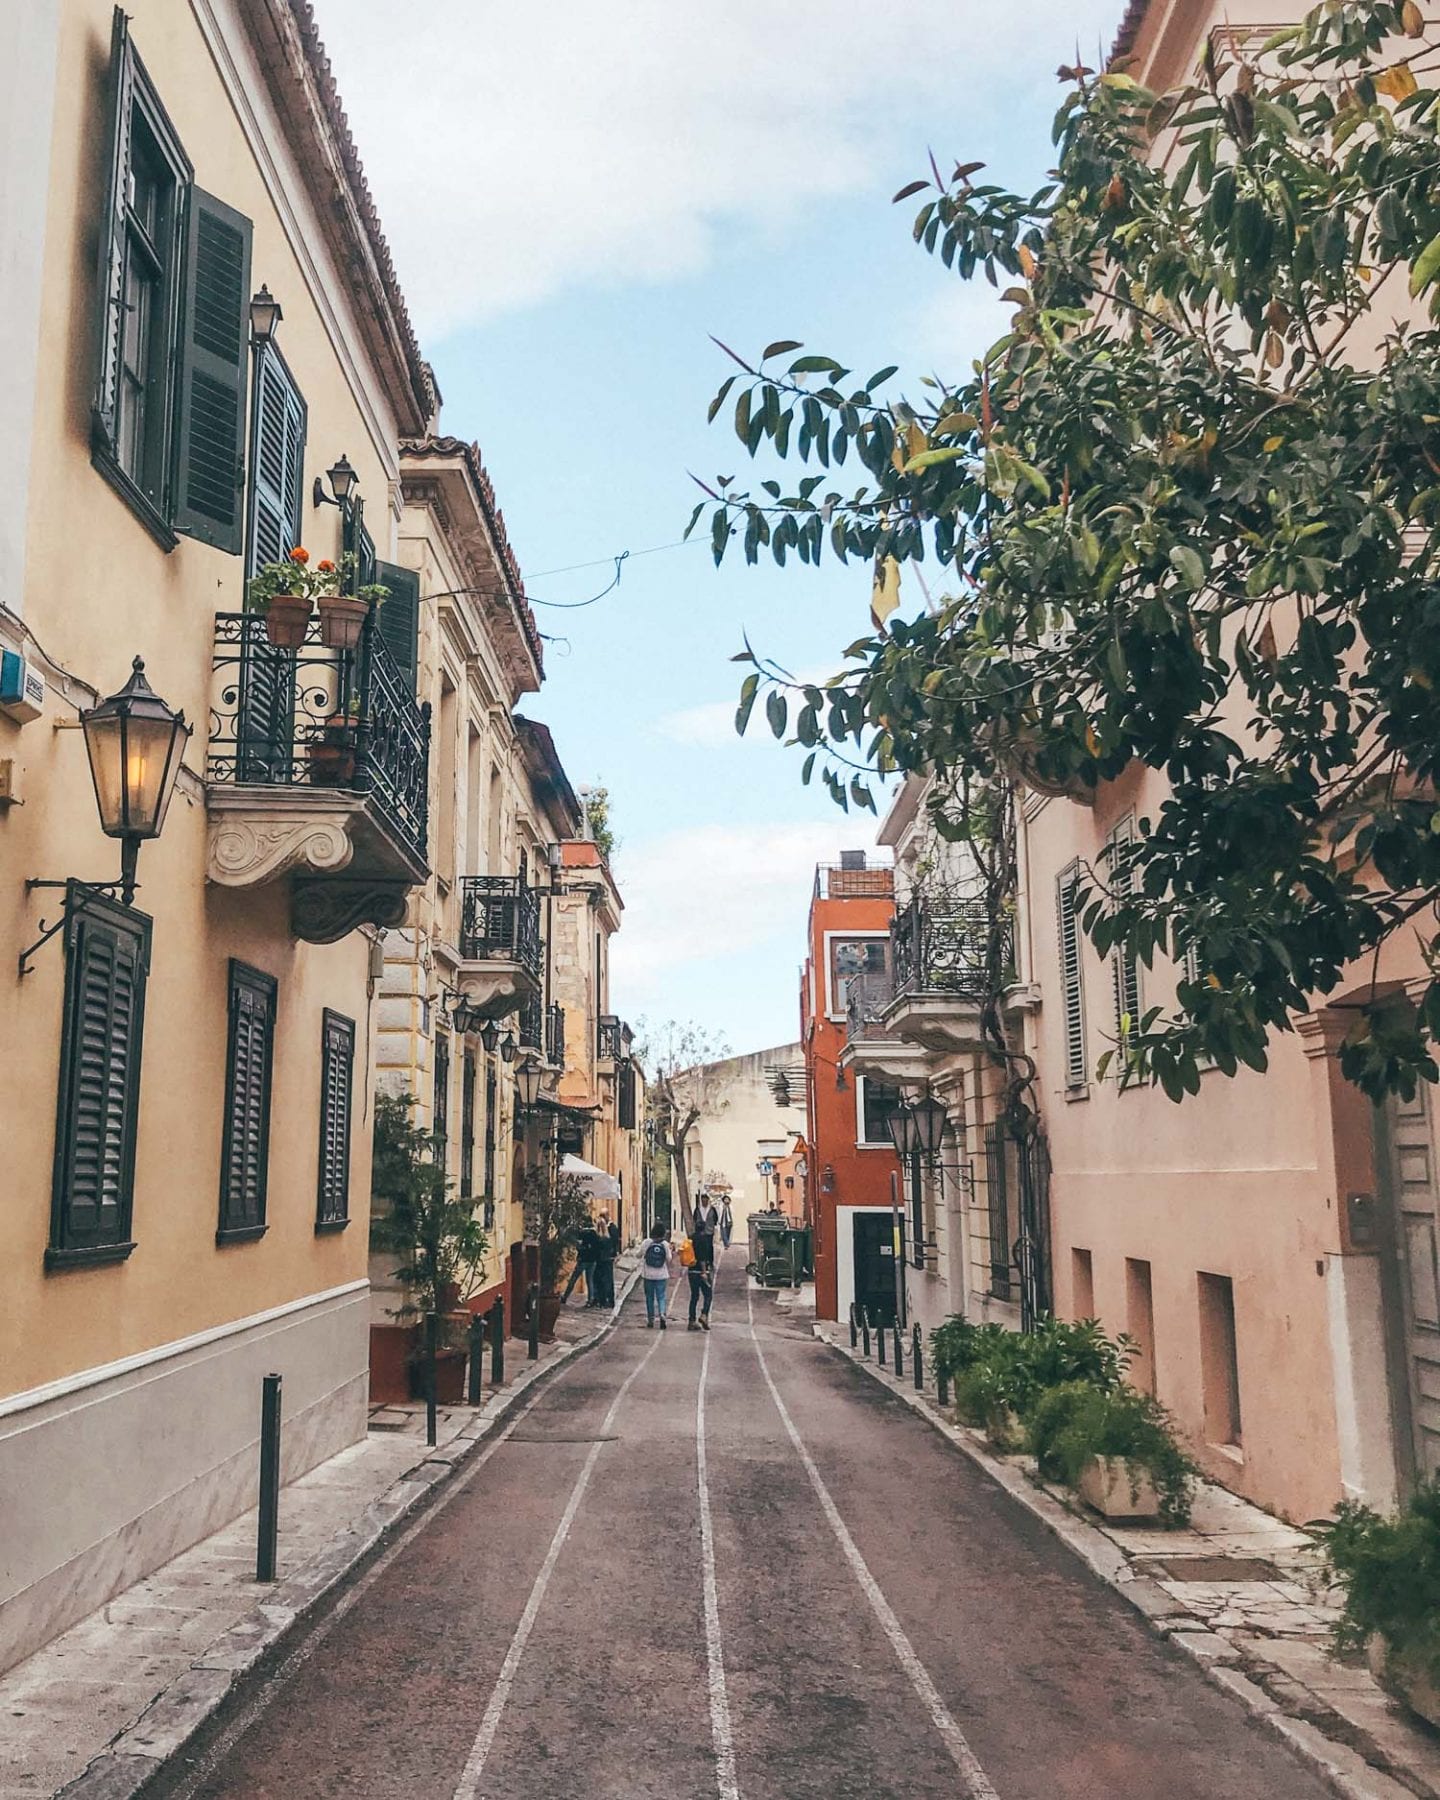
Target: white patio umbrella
pixel 596 1182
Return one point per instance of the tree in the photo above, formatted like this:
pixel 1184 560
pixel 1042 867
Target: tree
pixel 684 1086
pixel 439 1245
pixel 557 1210
pixel 596 801
pixel 1190 507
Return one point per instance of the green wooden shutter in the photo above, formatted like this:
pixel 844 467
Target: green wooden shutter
pixel 1072 994
pixel 109 289
pixel 277 456
pixel 399 621
pixel 245 1152
pixel 214 351
pixel 107 961
pixel 337 1062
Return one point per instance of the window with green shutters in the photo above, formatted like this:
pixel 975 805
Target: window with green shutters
pixel 245 1149
pixel 172 324
pixel 399 621
pixel 1124 964
pixel 1072 989
pixel 277 462
pixel 337 1065
pixel 107 960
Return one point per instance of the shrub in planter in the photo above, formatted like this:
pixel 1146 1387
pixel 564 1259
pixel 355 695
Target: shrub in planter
pixel 958 1345
pixel 1389 1572
pixel 1076 1425
pixel 985 1396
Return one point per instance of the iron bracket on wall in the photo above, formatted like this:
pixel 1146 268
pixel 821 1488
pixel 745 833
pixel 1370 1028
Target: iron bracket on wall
pixel 76 894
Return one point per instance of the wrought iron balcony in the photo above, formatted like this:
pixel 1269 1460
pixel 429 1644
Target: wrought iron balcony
pixel 872 1044
pixel 530 1028
pixel 555 1034
pixel 615 1039
pixel 318 769
pixel 939 952
pixel 500 922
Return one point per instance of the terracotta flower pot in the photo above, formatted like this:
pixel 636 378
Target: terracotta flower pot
pixel 1119 1489
pixel 342 619
pixel 331 753
pixel 287 617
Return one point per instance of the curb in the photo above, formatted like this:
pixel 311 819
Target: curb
pixel 1343 1770
pixel 137 1755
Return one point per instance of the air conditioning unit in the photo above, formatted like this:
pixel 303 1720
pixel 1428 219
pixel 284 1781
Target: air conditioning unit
pixel 22 687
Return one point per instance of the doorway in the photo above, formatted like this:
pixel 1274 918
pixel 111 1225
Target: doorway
pixel 875 1265
pixel 1411 1266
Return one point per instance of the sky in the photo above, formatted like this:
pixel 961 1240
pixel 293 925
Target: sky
pixel 577 198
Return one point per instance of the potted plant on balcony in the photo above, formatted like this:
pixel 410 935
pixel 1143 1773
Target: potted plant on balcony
pixel 280 593
pixel 557 1209
pixel 331 750
pixel 342 614
pixel 1389 1574
pixel 437 1242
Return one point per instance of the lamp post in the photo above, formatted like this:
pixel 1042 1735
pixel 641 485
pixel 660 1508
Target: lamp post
pixel 916 1130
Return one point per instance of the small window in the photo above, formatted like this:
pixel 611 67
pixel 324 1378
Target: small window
pixel 1082 1284
pixel 245 1151
pixel 337 1063
pixel 1140 1322
pixel 854 959
pixel 1002 1200
pixel 107 959
pixel 877 1100
pixel 1219 1360
pixel 1072 991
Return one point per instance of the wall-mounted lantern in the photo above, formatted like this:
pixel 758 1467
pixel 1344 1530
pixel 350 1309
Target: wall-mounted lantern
pixel 343 479
pixel 527 1084
pixel 265 317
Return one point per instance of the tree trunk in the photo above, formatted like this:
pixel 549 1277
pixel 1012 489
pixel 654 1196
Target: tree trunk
pixel 680 1180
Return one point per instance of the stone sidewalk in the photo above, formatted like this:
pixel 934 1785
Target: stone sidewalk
pixel 1241 1593
pixel 99 1709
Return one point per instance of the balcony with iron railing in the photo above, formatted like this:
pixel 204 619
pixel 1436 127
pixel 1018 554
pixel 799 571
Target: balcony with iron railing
pixel 317 773
pixel 854 879
pixel 872 1046
pixel 555 1034
pixel 500 949
pixel 613 1041
pixel 530 1024
pixel 940 954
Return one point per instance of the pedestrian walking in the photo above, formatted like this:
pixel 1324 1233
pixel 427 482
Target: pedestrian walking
pixel 702 1272
pixel 587 1247
pixel 607 1248
pixel 727 1221
pixel 655 1268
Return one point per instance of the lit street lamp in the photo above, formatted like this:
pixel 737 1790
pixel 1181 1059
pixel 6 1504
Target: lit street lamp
pixel 135 743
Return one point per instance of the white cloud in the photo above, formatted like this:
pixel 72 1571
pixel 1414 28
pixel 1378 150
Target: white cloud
pixel 710 726
pixel 709 894
pixel 517 150
pixel 952 327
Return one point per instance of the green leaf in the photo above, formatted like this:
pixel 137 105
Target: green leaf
pixel 719 400
pixel 776 711
pixel 748 690
pixel 779 347
pixel 1425 267
pixel 910 187
pixel 818 365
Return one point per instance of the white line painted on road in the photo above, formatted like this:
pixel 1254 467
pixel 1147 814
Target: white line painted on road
pixel 719 1698
pixel 977 1783
pixel 468 1787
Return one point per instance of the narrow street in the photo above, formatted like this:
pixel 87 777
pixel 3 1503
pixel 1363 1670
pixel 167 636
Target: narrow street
pixel 824 1601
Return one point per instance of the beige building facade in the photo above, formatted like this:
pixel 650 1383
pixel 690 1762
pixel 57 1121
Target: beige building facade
pixel 754 1111
pixel 174 1071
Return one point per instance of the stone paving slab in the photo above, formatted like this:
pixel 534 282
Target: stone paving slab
pixel 95 1713
pixel 1263 1642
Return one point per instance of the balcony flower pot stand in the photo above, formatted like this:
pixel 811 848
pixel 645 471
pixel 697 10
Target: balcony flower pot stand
pixel 342 619
pixel 1407 1676
pixel 331 752
pixel 287 618
pixel 1119 1489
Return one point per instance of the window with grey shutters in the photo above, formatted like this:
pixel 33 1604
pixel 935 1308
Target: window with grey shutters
pixel 1072 991
pixel 107 959
pixel 1124 964
pixel 337 1065
pixel 245 1149
pixel 211 477
pixel 399 621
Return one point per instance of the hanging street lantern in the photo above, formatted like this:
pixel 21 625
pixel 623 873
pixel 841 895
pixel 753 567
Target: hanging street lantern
pixel 929 1117
pixel 135 743
pixel 903 1135
pixel 527 1083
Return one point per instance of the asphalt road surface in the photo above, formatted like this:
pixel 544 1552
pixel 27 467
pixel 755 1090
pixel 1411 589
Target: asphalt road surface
pixel 731 1565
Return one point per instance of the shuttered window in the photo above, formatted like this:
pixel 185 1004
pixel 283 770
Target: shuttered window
pixel 467 1127
pixel 337 1065
pixel 277 458
pixel 245 1150
pixel 212 396
pixel 399 621
pixel 107 958
pixel 1124 964
pixel 491 1102
pixel 440 1110
pixel 1072 992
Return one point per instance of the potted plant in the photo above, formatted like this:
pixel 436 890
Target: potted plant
pixel 1389 1573
pixel 557 1210
pixel 1116 1448
pixel 343 615
pixel 438 1244
pixel 280 593
pixel 331 750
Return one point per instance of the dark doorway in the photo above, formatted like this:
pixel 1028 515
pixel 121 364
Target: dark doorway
pixel 875 1265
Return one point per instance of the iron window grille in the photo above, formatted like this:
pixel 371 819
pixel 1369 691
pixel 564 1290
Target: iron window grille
pixel 531 1023
pixel 249 1064
pixel 337 1065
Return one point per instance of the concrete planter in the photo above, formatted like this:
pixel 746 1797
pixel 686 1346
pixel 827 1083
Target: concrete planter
pixel 1118 1489
pixel 1004 1432
pixel 1410 1683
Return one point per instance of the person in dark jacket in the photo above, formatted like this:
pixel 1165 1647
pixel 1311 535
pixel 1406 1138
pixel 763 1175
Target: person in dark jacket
pixel 702 1272
pixel 607 1248
pixel 587 1254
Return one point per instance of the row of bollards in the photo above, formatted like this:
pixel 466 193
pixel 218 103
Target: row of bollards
pixel 485 1325
pixel 860 1335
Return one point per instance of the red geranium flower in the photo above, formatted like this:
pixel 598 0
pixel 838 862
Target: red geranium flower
pixel 299 554
pixel 325 566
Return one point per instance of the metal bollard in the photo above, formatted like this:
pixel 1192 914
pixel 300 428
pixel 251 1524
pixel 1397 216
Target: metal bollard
pixel 497 1341
pixel 534 1321
pixel 865 1328
pixel 917 1351
pixel 880 1342
pixel 477 1359
pixel 899 1352
pixel 432 1345
pixel 942 1383
pixel 268 1535
pixel 854 1330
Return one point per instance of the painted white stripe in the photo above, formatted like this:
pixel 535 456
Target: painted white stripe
pixel 719 1697
pixel 977 1784
pixel 468 1787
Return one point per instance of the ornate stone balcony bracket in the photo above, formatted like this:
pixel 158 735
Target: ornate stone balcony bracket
pixel 258 834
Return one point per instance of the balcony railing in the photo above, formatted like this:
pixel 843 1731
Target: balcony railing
pixel 500 921
pixel 555 1034
pixel 531 1024
pixel 320 718
pixel 940 947
pixel 846 881
pixel 866 997
pixel 615 1038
